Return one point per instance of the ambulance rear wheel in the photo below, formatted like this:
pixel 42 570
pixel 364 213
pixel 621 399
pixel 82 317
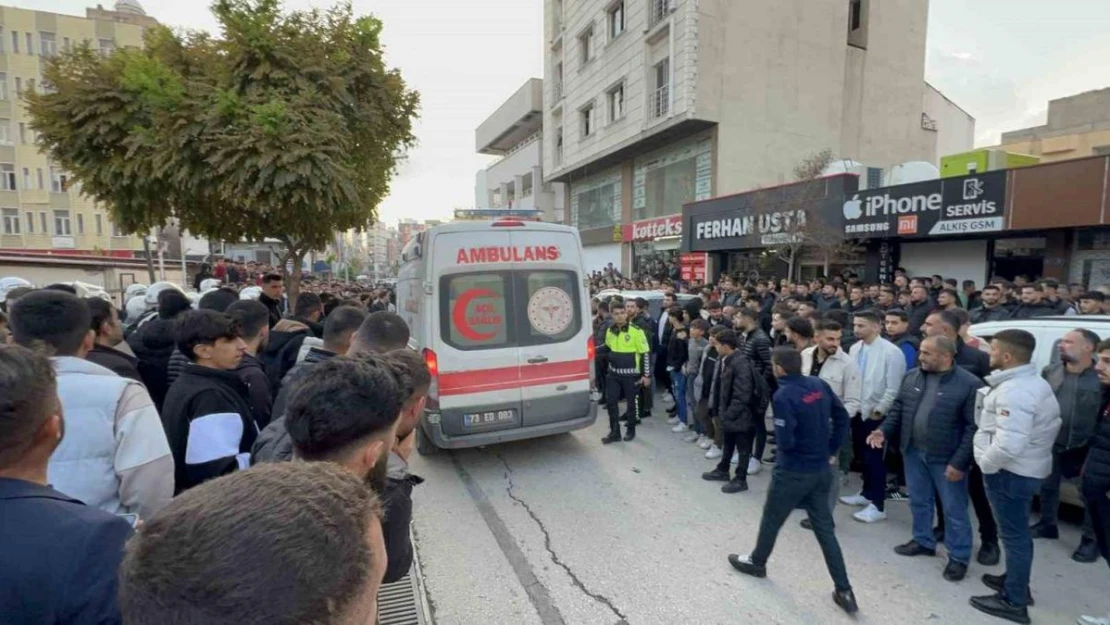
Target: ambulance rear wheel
pixel 424 444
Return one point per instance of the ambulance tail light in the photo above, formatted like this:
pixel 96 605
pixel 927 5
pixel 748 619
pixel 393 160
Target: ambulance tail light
pixel 508 223
pixel 432 362
pixel 591 352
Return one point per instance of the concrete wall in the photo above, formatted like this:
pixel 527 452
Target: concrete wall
pixel 955 131
pixel 1077 126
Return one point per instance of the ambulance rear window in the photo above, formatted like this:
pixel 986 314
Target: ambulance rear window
pixel 501 309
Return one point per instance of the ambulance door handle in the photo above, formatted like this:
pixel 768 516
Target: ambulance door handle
pixel 538 360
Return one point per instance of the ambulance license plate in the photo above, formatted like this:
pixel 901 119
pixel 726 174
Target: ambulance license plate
pixel 493 417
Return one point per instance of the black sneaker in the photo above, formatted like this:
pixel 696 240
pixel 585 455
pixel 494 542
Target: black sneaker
pixel 914 548
pixel 846 599
pixel 998 582
pixel 989 554
pixel 630 435
pixel 745 565
pixel 735 485
pixel 955 571
pixel 997 605
pixel 896 494
pixel 806 524
pixel 614 437
pixel 1044 530
pixel 1087 551
pixel 716 475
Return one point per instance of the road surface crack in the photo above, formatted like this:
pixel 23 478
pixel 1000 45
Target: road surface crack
pixel 602 599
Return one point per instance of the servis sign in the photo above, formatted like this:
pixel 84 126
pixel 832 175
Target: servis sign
pixel 948 206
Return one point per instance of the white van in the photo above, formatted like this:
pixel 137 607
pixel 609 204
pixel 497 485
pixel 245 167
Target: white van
pixel 500 310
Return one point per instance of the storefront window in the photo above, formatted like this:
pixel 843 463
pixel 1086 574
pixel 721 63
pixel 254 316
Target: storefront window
pixel 667 179
pixel 595 208
pixel 651 262
pixel 1018 257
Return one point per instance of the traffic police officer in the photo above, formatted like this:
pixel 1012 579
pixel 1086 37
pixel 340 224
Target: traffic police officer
pixel 629 369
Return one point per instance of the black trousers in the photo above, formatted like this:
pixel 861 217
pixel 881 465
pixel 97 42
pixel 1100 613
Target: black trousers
pixel 1098 506
pixel 646 401
pixel 618 387
pixel 988 528
pixel 662 376
pixel 733 442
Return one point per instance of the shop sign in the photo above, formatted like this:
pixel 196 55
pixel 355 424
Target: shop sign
pixel 652 229
pixel 774 228
pixel 692 267
pixel 948 206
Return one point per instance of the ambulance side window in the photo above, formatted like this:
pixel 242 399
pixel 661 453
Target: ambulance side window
pixel 473 310
pixel 548 307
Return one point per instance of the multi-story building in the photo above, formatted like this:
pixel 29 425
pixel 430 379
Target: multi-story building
pixel 652 104
pixel 515 133
pixel 408 228
pixel 1077 126
pixel 41 210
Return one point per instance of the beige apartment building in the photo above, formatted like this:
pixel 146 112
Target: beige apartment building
pixel 1077 126
pixel 41 210
pixel 652 104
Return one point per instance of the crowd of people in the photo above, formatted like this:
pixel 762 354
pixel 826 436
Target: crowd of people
pixel 886 380
pixel 145 472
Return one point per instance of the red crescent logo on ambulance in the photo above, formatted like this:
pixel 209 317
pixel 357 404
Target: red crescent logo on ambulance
pixel 458 315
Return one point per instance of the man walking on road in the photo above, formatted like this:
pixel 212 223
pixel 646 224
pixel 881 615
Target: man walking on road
pixel 629 359
pixel 810 426
pixel 1013 446
pixel 741 395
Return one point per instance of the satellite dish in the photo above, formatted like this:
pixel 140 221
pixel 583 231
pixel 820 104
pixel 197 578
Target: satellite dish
pixel 913 171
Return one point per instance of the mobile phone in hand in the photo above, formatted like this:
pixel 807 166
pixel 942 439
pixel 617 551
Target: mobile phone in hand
pixel 130 518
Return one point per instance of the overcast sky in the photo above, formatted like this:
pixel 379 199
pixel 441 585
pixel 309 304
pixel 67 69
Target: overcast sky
pixel 1001 60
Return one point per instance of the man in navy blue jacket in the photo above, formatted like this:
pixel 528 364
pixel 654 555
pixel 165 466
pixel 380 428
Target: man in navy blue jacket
pixel 58 557
pixel 811 425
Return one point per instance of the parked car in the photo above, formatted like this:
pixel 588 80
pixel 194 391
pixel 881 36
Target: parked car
pixel 654 299
pixel 1048 332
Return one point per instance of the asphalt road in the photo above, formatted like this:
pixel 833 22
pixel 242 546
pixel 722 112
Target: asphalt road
pixel 565 531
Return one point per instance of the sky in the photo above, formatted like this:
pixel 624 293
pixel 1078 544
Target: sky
pixel 1001 60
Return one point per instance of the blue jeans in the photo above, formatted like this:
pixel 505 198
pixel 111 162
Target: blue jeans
pixel 1011 496
pixel 678 384
pixel 922 478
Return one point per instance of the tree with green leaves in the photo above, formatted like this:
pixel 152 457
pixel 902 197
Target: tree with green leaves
pixel 289 126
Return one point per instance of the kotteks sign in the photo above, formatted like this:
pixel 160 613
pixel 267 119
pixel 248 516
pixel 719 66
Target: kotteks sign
pixel 948 206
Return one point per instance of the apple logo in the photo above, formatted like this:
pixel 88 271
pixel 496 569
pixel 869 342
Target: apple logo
pixel 853 208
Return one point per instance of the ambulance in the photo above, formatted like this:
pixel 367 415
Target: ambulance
pixel 500 310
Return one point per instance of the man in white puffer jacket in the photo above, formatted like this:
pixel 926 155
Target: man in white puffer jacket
pixel 1018 420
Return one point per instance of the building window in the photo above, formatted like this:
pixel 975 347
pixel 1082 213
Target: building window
pixel 558 146
pixel 526 185
pixel 616 20
pixel 3 85
pixel 26 179
pixel 18 86
pixel 857 23
pixel 99 225
pixel 11 221
pixel 42 180
pixel 116 232
pixel 59 180
pixel 598 207
pixel 658 10
pixel 15 42
pixel 106 46
pixel 5 131
pixel 48 44
pixel 30 44
pixel 22 133
pixel 61 224
pixel 586 45
pixel 7 177
pixel 558 81
pixel 42 222
pixel 661 99
pixel 1 40
pixel 616 103
pixel 586 114
pixel 1101 150
pixel 30 222
pixel 80 224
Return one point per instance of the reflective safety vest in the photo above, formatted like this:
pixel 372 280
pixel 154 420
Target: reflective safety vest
pixel 628 351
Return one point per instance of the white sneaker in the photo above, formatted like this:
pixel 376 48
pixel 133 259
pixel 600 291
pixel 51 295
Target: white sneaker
pixel 667 399
pixel 870 514
pixel 692 437
pixel 681 427
pixel 754 466
pixel 713 453
pixel 855 500
pixel 735 458
pixel 673 421
pixel 705 443
pixel 1093 620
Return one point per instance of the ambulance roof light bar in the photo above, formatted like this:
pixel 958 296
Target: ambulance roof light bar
pixel 500 216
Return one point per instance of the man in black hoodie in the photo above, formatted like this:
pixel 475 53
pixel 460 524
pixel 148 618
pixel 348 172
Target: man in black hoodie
pixel 109 333
pixel 1032 304
pixel 919 309
pixel 207 414
pixel 154 342
pixel 254 320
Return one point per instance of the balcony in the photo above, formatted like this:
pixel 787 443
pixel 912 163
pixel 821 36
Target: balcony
pixel 661 102
pixel 659 10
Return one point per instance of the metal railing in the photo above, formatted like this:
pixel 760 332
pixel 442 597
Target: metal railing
pixel 661 102
pixel 658 10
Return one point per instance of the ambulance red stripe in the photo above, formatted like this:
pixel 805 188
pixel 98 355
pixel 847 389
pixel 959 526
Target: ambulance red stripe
pixel 505 378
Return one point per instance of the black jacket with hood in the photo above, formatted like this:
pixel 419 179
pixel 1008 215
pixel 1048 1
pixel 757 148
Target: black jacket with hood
pixel 153 344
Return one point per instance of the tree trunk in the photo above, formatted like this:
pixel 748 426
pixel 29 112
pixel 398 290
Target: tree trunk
pixel 293 278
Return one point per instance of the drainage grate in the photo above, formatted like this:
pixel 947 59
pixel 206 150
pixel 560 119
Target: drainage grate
pixel 401 603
